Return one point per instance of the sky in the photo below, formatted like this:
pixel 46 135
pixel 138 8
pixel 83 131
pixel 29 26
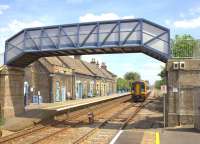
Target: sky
pixel 180 17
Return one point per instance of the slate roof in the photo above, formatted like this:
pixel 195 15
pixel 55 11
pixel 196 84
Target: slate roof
pixel 94 69
pixel 75 64
pixel 106 73
pixel 54 61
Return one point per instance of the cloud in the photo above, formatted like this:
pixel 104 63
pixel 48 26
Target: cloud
pixel 188 23
pixel 3 8
pixel 13 27
pixel 104 16
pixel 189 19
pixel 194 11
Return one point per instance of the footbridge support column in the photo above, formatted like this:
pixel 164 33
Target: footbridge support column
pixel 11 91
pixel 183 86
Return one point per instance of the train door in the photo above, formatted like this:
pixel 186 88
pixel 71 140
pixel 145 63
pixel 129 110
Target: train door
pixel 137 89
pixel 142 89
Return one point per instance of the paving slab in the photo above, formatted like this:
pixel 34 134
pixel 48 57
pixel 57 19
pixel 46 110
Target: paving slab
pixel 180 135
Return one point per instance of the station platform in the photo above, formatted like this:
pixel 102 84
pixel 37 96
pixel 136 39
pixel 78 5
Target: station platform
pixel 136 137
pixel 34 113
pixel 176 135
pixel 180 135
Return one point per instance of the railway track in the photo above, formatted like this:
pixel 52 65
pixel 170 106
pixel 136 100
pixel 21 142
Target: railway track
pixel 46 130
pixel 104 132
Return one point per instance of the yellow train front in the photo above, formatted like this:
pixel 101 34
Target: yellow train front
pixel 139 91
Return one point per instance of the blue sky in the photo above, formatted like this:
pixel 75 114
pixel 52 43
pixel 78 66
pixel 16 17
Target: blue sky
pixel 181 17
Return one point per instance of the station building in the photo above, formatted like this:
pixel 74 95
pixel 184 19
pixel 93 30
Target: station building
pixel 57 79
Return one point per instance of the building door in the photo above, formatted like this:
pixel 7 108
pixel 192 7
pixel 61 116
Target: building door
pixel 58 97
pixel 26 92
pixel 91 88
pixel 79 90
pixel 63 93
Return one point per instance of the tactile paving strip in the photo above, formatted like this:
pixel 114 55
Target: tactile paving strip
pixel 136 137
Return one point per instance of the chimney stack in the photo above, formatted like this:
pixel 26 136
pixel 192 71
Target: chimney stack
pixel 93 61
pixel 97 63
pixel 103 66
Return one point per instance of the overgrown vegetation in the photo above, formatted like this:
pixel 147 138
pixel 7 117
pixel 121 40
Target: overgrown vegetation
pixel 124 84
pixel 163 81
pixel 183 46
pixel 2 120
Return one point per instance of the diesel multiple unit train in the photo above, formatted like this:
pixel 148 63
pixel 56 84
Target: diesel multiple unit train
pixel 139 91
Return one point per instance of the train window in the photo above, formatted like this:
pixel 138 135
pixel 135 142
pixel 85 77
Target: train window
pixel 142 87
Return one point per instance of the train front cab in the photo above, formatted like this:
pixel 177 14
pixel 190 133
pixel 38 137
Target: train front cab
pixel 139 91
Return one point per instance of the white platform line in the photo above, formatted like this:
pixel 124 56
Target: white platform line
pixel 116 137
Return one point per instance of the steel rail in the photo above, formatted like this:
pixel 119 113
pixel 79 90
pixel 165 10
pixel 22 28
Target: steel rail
pixel 31 130
pixel 141 106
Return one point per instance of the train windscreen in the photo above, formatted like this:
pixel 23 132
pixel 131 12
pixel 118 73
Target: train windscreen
pixel 142 87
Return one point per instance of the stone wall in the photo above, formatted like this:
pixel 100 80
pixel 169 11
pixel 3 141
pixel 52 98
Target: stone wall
pixel 183 87
pixel 11 91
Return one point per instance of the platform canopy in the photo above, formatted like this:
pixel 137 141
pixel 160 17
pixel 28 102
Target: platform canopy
pixel 105 37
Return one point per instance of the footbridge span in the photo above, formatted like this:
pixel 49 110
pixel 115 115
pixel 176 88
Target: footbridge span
pixel 118 36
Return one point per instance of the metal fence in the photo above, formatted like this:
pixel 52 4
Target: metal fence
pixel 185 49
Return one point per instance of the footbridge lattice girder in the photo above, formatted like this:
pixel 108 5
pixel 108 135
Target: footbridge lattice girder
pixel 118 36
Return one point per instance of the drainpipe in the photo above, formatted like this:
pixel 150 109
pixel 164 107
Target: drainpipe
pixel 51 88
pixel 73 84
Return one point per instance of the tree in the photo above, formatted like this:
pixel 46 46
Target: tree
pixel 183 45
pixel 162 75
pixel 157 84
pixel 122 84
pixel 132 76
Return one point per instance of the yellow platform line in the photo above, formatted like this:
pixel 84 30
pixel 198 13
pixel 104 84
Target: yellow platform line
pixel 157 138
pixel 150 137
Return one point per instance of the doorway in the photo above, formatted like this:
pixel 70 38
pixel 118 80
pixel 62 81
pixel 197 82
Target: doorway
pixel 63 93
pixel 79 90
pixel 58 96
pixel 26 93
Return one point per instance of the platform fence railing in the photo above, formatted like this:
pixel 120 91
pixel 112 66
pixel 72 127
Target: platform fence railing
pixel 185 49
